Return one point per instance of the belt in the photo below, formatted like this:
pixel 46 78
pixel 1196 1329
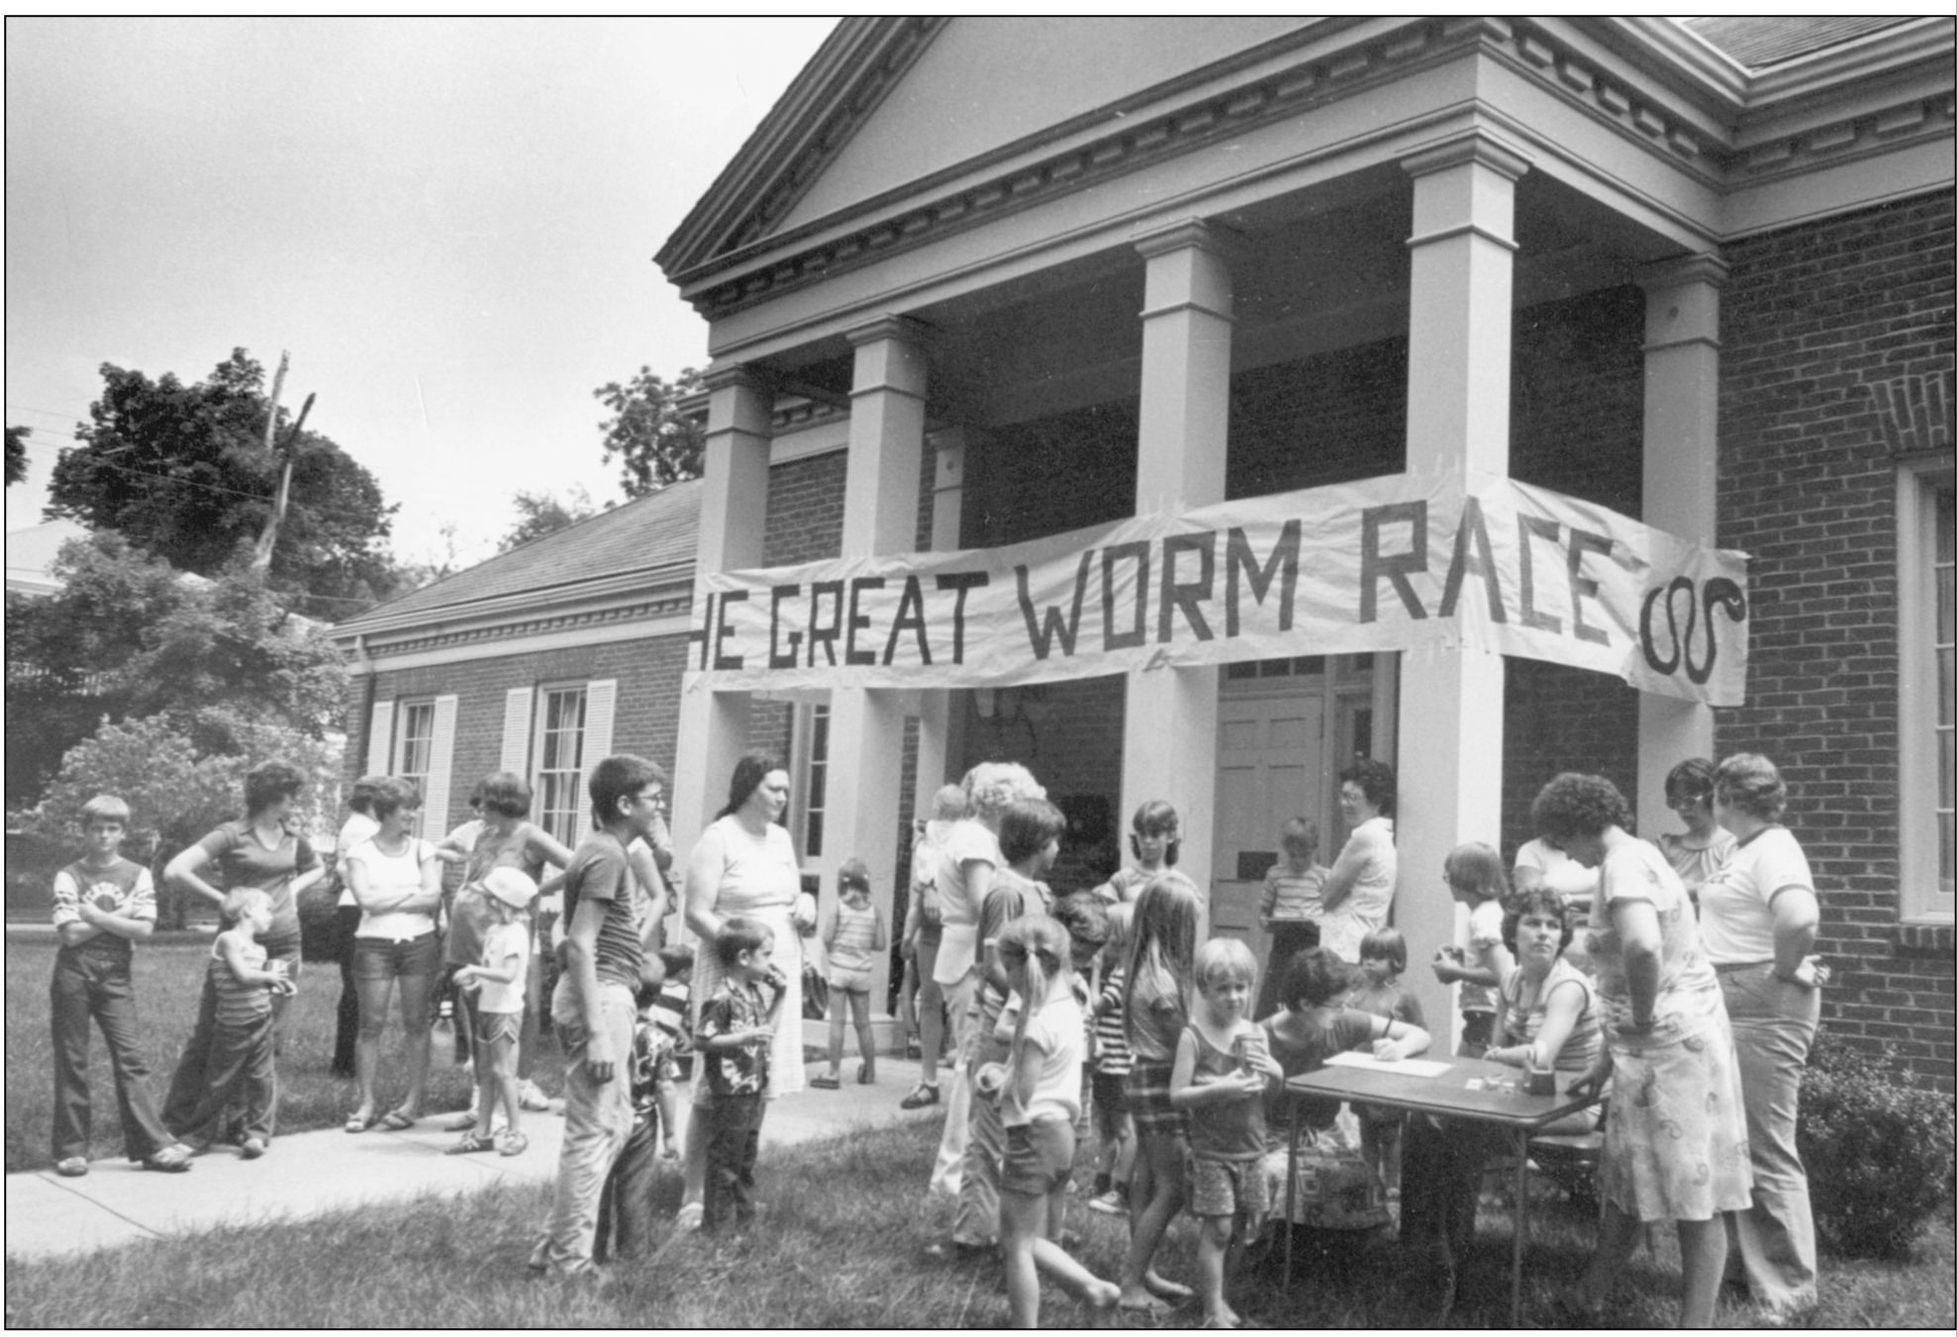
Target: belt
pixel 1728 967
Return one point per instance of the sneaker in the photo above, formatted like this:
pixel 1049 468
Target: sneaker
pixel 1110 1203
pixel 71 1167
pixel 532 1097
pixel 512 1143
pixel 252 1148
pixel 921 1095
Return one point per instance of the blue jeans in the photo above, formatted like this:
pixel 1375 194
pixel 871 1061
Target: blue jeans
pixel 597 1120
pixel 96 985
pixel 1773 1027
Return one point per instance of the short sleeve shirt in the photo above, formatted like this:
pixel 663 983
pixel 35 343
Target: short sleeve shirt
pixel 502 944
pixel 734 1072
pixel 243 862
pixel 1736 904
pixel 1059 1031
pixel 1484 936
pixel 969 841
pixel 122 888
pixel 598 871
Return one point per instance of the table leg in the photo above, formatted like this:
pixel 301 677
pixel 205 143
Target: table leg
pixel 1290 1193
pixel 1521 1225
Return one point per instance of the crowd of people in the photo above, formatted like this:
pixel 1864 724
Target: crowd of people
pixel 1090 1033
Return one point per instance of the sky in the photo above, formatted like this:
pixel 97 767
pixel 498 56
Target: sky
pixel 448 224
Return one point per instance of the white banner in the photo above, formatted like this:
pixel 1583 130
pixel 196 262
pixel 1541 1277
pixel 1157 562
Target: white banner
pixel 1396 563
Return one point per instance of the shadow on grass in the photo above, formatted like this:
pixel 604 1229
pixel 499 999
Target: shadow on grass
pixel 840 1244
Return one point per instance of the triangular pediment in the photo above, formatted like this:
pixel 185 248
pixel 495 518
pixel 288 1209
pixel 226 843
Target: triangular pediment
pixel 888 104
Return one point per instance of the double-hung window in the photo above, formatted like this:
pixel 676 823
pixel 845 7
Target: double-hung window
pixel 560 761
pixel 1924 551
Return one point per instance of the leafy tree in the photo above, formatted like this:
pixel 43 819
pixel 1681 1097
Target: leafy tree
pixel 542 513
pixel 127 636
pixel 182 470
pixel 174 793
pixel 654 444
pixel 17 453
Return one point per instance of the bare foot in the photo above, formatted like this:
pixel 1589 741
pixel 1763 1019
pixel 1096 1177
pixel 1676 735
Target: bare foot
pixel 1169 1290
pixel 1102 1294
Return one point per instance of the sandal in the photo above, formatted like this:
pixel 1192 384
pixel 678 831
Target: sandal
pixel 73 1167
pixel 360 1123
pixel 394 1121
pixel 924 1093
pixel 513 1144
pixel 824 1082
pixel 472 1142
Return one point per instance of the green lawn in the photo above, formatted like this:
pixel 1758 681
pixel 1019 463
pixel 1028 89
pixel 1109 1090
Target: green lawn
pixel 168 976
pixel 840 1244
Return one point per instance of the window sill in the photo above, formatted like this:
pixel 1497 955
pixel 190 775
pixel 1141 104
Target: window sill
pixel 1925 937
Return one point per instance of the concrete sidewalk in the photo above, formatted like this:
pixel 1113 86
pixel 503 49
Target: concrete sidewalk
pixel 307 1174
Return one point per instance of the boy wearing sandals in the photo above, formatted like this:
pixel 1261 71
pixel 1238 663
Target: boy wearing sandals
pixel 103 905
pixel 498 1011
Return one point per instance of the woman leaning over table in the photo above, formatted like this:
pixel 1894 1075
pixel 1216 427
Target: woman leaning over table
pixel 1758 915
pixel 1673 1142
pixel 744 864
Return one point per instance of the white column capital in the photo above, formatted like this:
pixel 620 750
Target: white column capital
pixel 891 326
pixel 1188 234
pixel 1682 301
pixel 1471 147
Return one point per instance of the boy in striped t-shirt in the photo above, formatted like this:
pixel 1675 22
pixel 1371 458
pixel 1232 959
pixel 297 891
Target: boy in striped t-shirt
pixel 1292 905
pixel 1114 1132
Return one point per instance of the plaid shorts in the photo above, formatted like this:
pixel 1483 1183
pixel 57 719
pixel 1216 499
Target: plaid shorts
pixel 1147 1091
pixel 1228 1188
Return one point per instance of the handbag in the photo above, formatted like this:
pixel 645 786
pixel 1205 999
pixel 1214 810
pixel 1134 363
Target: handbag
pixel 815 993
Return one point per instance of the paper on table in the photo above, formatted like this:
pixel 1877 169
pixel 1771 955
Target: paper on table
pixel 1410 1067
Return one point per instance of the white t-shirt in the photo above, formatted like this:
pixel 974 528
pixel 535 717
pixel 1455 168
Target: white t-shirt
pixel 389 877
pixel 1573 882
pixel 1059 1031
pixel 970 840
pixel 1366 906
pixel 502 944
pixel 358 829
pixel 1736 904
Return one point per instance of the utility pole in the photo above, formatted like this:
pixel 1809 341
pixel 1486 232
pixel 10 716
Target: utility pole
pixel 268 538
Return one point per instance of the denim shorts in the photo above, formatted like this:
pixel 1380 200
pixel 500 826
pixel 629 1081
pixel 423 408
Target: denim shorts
pixel 387 959
pixel 1039 1157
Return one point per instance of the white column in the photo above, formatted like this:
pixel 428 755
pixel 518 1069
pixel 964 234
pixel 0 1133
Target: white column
pixel 940 720
pixel 866 728
pixel 733 517
pixel 1450 718
pixel 1168 746
pixel 1681 483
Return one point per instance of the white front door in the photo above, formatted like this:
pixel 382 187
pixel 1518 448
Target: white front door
pixel 1269 752
pixel 1284 730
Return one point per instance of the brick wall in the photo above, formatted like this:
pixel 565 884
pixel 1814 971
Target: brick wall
pixel 646 719
pixel 1812 318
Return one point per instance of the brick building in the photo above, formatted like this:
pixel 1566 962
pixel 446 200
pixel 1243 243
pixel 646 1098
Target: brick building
pixel 1698 274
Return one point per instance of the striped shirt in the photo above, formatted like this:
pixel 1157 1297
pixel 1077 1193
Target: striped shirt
pixel 1291 895
pixel 1111 1052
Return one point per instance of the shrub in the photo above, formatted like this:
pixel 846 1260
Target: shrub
pixel 1877 1144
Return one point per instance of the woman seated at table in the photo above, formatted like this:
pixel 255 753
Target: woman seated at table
pixel 1337 1189
pixel 1546 1017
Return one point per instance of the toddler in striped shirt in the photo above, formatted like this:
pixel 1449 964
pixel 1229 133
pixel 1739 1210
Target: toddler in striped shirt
pixel 1114 1132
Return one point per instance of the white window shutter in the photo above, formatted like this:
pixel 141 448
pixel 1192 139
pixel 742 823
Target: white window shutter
pixel 516 732
pixel 441 759
pixel 380 738
pixel 599 700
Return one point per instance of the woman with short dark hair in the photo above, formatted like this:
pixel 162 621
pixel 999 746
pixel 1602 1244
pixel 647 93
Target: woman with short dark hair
pixel 1705 846
pixel 1759 914
pixel 263 851
pixel 1358 892
pixel 397 881
pixel 1673 1143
